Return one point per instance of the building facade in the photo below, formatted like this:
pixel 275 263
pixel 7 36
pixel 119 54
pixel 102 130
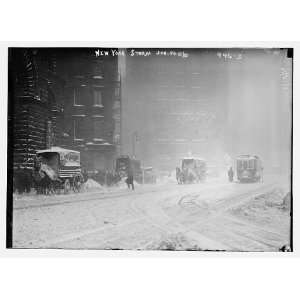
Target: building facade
pixel 211 103
pixel 173 106
pixel 64 97
pixel 34 104
pixel 91 106
pixel 207 103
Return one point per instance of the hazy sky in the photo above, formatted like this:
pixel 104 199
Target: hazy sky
pixel 241 89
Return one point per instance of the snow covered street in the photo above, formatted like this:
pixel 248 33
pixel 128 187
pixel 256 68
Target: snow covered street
pixel 215 215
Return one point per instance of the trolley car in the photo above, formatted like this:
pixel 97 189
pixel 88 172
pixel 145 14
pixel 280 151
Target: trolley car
pixel 249 168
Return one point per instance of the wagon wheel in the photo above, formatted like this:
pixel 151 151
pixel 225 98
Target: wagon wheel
pixel 57 187
pixel 67 186
pixel 77 183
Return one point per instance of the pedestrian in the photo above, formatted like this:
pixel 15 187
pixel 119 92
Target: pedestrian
pixel 178 175
pixel 129 179
pixel 85 175
pixel 230 174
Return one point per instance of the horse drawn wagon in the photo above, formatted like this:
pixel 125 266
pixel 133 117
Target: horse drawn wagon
pixel 125 164
pixel 192 170
pixel 58 169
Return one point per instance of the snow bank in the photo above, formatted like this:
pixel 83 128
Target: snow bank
pixel 271 208
pixel 173 242
pixel 123 185
pixel 91 184
pixel 136 183
pixel 167 178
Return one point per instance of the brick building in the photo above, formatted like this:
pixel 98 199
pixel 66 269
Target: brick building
pixel 34 104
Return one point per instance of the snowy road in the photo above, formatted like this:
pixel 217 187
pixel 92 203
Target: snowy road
pixel 215 215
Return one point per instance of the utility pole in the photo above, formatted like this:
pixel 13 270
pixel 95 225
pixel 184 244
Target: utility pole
pixel 134 140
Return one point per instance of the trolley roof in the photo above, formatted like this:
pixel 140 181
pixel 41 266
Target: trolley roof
pixel 192 157
pixel 247 156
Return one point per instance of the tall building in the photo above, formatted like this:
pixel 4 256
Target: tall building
pixel 65 97
pixel 211 103
pixel 173 105
pixel 34 104
pixel 91 106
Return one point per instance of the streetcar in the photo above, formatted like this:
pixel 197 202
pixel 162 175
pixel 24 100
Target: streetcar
pixel 249 168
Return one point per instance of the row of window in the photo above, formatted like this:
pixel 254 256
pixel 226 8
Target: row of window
pixel 81 94
pixel 247 164
pixel 80 130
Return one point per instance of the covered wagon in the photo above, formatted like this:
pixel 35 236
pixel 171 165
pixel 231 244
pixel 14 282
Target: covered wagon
pixel 58 169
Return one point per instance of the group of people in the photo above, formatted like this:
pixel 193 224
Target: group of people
pixel 26 179
pixel 109 178
pixel 22 180
pixel 180 179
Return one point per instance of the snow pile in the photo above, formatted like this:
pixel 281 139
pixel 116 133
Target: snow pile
pixel 271 208
pixel 91 184
pixel 123 185
pixel 173 242
pixel 171 178
pixel 287 201
pixel 135 183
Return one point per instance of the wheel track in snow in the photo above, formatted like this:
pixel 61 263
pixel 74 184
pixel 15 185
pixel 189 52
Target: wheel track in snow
pixel 225 203
pixel 141 216
pixel 165 224
pixel 94 196
pixel 217 215
pixel 97 196
pixel 101 204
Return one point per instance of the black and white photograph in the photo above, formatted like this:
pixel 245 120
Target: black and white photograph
pixel 165 149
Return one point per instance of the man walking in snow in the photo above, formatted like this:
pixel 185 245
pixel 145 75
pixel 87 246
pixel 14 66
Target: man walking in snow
pixel 230 174
pixel 129 179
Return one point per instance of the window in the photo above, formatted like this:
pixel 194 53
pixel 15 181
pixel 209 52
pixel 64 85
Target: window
pixel 98 98
pixel 117 138
pixel 117 92
pixel 78 127
pixel 80 96
pixel 240 164
pixel 98 128
pixel 98 70
pixel 251 164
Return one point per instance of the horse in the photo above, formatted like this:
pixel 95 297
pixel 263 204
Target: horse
pixel 43 183
pixel 179 176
